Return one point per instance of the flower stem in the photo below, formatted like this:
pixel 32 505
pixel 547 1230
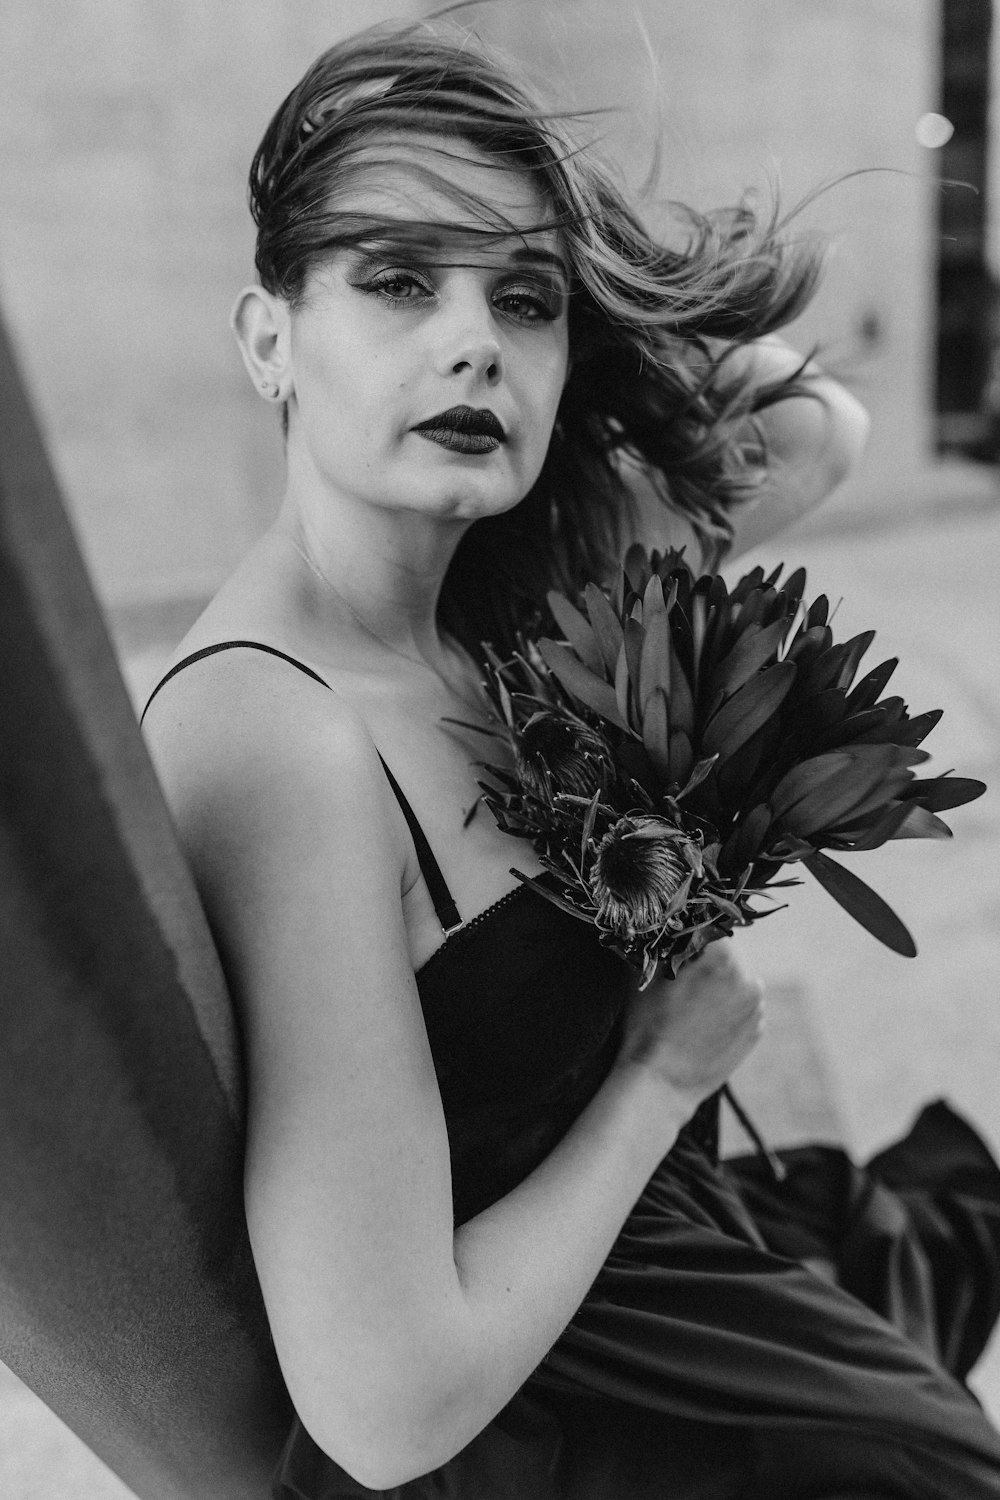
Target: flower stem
pixel 778 1169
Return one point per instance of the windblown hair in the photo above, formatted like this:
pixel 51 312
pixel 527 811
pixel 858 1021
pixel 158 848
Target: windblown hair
pixel 650 325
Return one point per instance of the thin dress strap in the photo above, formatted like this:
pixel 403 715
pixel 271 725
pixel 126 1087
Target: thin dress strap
pixel 444 905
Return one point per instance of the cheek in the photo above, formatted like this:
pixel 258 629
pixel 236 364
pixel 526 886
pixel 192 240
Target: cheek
pixel 550 385
pixel 559 366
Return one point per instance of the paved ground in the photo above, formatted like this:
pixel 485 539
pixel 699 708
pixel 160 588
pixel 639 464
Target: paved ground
pixel 859 1037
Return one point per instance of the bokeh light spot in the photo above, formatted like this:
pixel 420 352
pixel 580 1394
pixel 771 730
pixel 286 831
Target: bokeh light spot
pixel 934 131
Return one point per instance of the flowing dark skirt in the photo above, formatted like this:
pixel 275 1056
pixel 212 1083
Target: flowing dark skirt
pixel 715 1359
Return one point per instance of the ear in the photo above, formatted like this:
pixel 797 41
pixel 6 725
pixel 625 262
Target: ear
pixel 262 327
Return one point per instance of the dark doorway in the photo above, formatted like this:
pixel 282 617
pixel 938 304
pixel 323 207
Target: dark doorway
pixel 967 295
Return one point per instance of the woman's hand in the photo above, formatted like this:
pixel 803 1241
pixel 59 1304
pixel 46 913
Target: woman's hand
pixel 691 1032
pixel 812 442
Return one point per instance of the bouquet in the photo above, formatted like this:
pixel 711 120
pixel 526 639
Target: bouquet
pixel 684 742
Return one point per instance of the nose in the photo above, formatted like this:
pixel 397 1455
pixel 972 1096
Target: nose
pixel 469 344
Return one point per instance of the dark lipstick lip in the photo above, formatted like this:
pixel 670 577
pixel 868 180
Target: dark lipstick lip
pixel 466 421
pixel 459 442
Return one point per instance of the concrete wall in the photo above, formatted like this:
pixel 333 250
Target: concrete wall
pixel 798 92
pixel 126 132
pixel 126 127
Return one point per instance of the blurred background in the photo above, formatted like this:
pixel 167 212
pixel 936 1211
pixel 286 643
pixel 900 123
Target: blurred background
pixel 126 132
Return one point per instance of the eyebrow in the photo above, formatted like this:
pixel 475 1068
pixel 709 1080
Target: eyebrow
pixel 426 239
pixel 527 256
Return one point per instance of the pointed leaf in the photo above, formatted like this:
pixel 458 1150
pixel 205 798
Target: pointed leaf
pixel 576 628
pixel 681 756
pixel 806 777
pixel 861 837
pixel 618 592
pixel 795 585
pixel 697 776
pixel 751 609
pixel 681 700
pixel 828 789
pixel 917 729
pixel 653 602
pixel 921 824
pixel 809 642
pixel 754 647
pixel 889 788
pixel 580 683
pixel 654 663
pixel 891 730
pixel 834 802
pixel 844 732
pixel 655 732
pixel 621 685
pixel 750 707
pixel 819 611
pixel 750 835
pixel 862 903
pixel 505 703
pixel 823 671
pixel 940 792
pixel 854 651
pixel 717 632
pixel 606 626
pixel 737 771
pixel 744 585
pixel 634 635
pixel 636 567
pixel 867 691
pixel 588 827
pixel 699 624
pixel 831 803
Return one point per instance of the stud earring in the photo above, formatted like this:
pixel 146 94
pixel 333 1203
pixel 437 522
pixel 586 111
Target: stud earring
pixel 270 389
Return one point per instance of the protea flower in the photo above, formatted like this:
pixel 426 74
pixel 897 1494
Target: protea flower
pixel 639 879
pixel 558 753
pixel 730 715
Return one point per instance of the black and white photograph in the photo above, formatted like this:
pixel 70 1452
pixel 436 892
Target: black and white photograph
pixel 498 499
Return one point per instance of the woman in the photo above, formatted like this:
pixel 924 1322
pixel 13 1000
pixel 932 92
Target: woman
pixel 493 1263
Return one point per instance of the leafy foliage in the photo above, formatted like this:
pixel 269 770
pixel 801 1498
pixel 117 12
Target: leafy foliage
pixel 684 741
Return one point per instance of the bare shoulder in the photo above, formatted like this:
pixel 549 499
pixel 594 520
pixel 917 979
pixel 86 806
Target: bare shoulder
pixel 278 796
pixel 242 713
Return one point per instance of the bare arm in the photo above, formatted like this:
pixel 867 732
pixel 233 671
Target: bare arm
pixel 399 1337
pixel 812 443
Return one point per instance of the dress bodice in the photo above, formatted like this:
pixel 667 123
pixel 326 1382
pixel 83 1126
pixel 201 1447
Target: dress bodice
pixel 521 1007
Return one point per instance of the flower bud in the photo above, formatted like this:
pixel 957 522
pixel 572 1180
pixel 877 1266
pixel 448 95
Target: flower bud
pixel 639 875
pixel 558 754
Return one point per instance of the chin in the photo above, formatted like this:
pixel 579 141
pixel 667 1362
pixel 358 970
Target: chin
pixel 470 508
pixel 470 500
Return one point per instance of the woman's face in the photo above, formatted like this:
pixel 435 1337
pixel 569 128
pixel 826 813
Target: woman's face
pixel 428 379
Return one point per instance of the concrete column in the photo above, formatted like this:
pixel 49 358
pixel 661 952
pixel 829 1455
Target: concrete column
pixel 128 1298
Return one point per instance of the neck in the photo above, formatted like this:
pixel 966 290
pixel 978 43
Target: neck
pixel 379 571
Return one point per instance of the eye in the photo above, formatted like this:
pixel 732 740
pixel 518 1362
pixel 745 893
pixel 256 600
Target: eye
pixel 397 287
pixel 529 304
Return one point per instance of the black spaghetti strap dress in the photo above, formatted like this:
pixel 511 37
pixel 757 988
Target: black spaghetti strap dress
pixel 708 1361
